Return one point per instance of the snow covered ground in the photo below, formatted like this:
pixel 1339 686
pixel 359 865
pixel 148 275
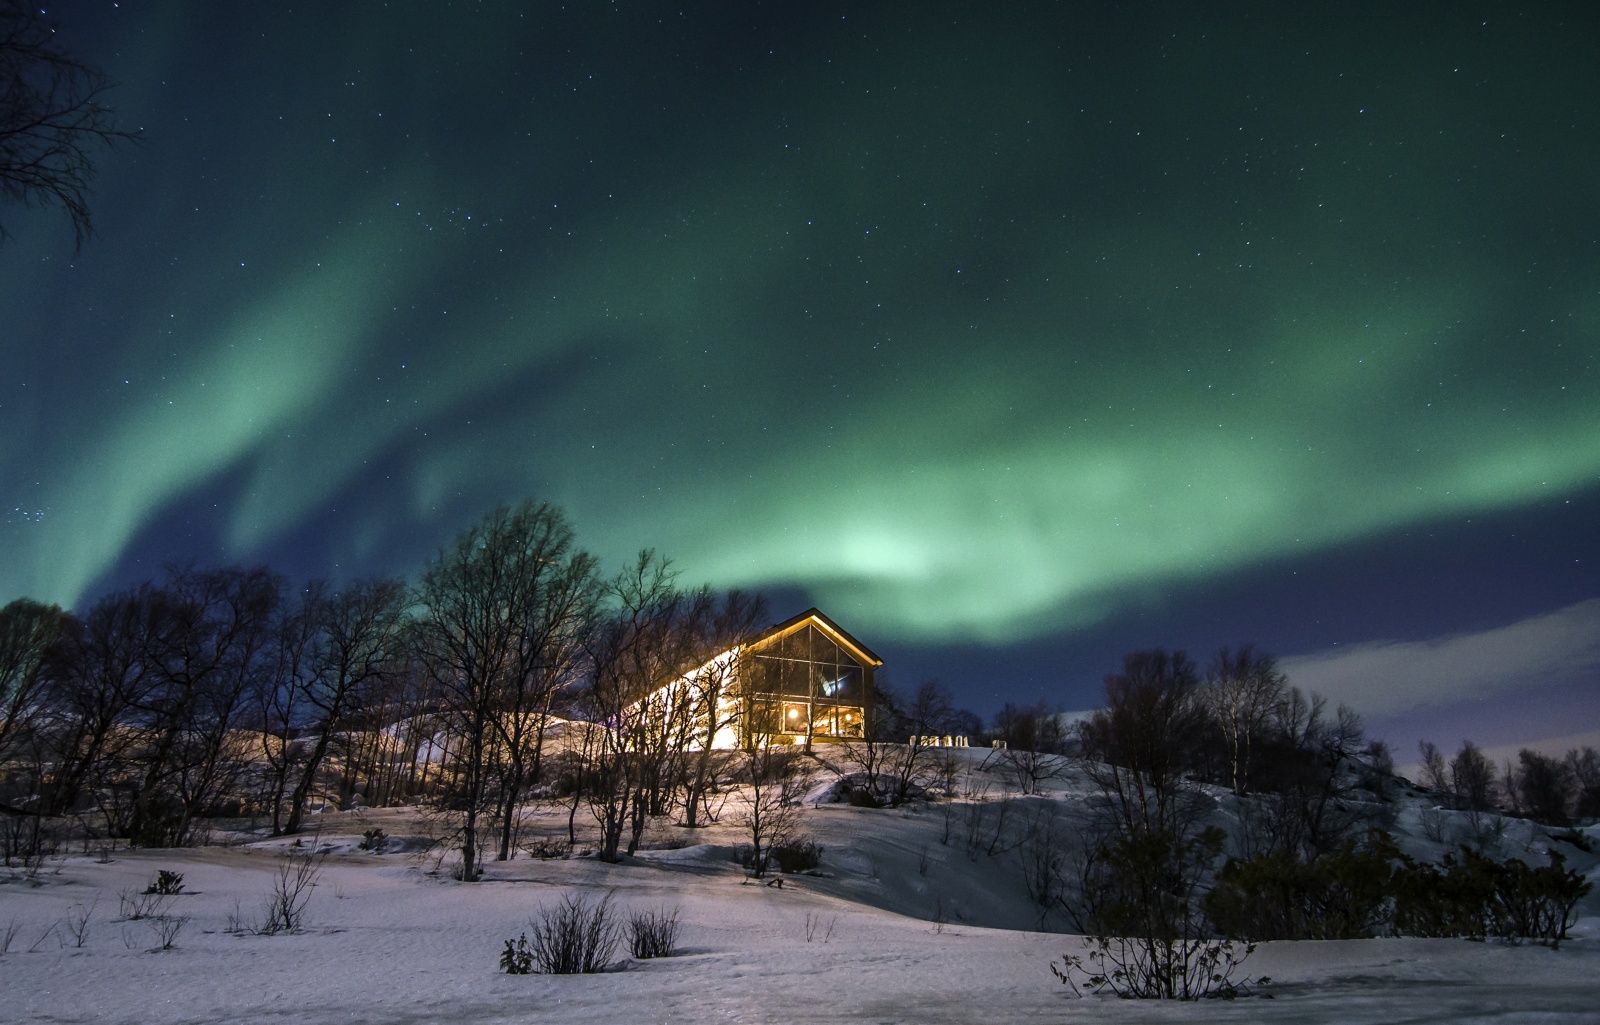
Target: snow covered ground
pixel 898 928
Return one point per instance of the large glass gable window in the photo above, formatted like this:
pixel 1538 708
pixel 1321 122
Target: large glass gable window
pixel 811 678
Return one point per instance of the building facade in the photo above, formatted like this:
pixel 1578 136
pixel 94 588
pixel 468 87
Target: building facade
pixel 806 680
pixel 803 681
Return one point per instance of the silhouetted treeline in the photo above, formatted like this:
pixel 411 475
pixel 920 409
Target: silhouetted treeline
pixel 1309 854
pixel 1555 791
pixel 211 693
pixel 512 667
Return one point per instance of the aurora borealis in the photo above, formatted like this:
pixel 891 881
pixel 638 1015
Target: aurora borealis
pixel 1006 336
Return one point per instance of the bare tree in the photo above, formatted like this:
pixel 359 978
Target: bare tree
pixel 280 699
pixel 1584 768
pixel 898 755
pixel 1435 770
pixel 478 597
pixel 667 676
pixel 907 768
pixel 28 631
pixel 640 696
pixel 1306 768
pixel 1243 686
pixel 1141 868
pixel 204 652
pixel 1035 736
pixel 100 675
pixel 778 779
pixel 394 726
pixel 53 117
pixel 548 659
pixel 1142 740
pixel 1541 787
pixel 358 633
pixel 1472 778
pixel 714 708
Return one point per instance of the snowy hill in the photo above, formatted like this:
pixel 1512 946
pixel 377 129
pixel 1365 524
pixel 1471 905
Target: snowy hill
pixel 915 914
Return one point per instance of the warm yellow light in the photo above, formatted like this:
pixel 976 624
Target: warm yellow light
pixel 794 713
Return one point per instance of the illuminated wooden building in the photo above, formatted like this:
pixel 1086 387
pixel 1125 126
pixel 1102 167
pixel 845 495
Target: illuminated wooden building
pixel 802 681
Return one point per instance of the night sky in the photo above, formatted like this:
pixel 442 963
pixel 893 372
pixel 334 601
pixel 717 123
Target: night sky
pixel 1013 336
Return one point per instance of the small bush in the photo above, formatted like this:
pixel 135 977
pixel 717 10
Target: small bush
pixel 1145 968
pixel 1478 897
pixel 1442 900
pixel 1343 895
pixel 861 797
pixel 373 840
pixel 547 850
pixel 167 884
pixel 797 855
pixel 147 904
pixel 517 958
pixel 653 933
pixel 577 936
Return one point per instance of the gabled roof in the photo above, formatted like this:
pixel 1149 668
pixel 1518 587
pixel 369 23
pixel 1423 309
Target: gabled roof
pixel 814 617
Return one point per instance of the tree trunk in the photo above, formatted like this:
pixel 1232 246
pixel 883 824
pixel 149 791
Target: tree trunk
pixel 302 787
pixel 513 790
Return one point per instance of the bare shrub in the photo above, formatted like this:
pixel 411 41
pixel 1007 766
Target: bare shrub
pixel 579 935
pixel 818 928
pixel 987 833
pixel 166 929
pixel 1485 828
pixel 1043 858
pixel 1027 772
pixel 133 906
pixel 285 907
pixel 237 925
pixel 78 921
pixel 1149 968
pixel 38 944
pixel 944 771
pixel 8 936
pixel 653 933
pixel 27 841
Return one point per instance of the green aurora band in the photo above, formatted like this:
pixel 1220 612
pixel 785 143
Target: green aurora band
pixel 972 338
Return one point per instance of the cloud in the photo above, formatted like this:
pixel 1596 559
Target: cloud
pixel 1384 678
